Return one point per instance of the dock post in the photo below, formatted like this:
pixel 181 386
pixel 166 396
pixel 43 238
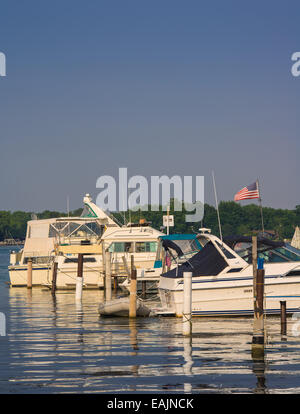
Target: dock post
pixel 103 263
pixel 187 304
pixel 29 273
pixel 283 317
pixel 79 281
pixel 258 340
pixel 54 276
pixel 107 276
pixel 144 289
pixel 116 283
pixel 132 298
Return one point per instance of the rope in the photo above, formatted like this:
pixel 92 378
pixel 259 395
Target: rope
pixel 187 317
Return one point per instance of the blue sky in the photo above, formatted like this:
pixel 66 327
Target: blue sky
pixel 159 87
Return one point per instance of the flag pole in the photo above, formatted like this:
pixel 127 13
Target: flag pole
pixel 217 206
pixel 261 210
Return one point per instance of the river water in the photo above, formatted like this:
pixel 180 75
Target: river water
pixel 57 346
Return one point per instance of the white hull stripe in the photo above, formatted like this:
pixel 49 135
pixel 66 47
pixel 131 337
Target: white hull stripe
pixel 243 312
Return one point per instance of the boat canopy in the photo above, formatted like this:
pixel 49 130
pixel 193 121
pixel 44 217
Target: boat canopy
pixel 207 262
pixel 269 250
pixel 231 241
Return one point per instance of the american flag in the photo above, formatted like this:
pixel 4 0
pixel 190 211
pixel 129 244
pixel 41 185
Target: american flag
pixel 251 191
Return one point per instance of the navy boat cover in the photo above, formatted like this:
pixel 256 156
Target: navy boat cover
pixel 207 262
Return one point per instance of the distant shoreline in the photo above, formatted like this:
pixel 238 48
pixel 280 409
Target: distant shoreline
pixel 12 242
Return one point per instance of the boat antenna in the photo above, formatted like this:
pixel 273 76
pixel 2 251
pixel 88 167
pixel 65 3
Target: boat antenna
pixel 217 206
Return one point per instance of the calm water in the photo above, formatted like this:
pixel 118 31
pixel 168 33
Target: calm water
pixel 56 346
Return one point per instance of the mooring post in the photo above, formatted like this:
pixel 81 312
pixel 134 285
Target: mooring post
pixel 283 317
pixel 29 273
pixel 54 275
pixel 116 285
pixel 132 298
pixel 79 281
pixel 258 340
pixel 107 276
pixel 187 304
pixel 103 264
pixel 144 289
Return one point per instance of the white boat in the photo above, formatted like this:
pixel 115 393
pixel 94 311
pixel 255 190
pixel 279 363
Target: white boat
pixel 173 249
pixel 92 228
pixel 222 282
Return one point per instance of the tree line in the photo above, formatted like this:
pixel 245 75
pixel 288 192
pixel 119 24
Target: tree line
pixel 235 220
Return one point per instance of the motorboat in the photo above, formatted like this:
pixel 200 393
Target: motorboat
pixel 92 228
pixel 222 277
pixel 172 250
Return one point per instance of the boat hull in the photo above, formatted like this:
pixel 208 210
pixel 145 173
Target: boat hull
pixel 211 300
pixel 66 278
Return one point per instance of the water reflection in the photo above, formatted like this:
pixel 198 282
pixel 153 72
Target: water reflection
pixel 259 367
pixel 58 345
pixel 187 367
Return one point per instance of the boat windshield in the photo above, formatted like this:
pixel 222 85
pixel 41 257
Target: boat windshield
pixel 186 245
pixel 75 229
pixel 270 255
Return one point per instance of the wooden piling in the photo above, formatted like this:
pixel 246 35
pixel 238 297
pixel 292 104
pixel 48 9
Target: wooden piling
pixel 107 276
pixel 116 284
pixel 187 304
pixel 283 317
pixel 29 273
pixel 79 281
pixel 103 264
pixel 54 276
pixel 144 289
pixel 258 339
pixel 132 298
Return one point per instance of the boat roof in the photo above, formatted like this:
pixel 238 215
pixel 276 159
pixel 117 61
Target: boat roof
pixel 231 241
pixel 185 236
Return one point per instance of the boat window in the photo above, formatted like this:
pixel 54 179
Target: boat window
pixel 145 247
pixel 235 269
pixel 202 240
pixel 294 273
pixel 75 260
pixel 72 229
pixel 225 251
pixel 280 254
pixel 38 260
pixel 121 247
pixel 188 245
